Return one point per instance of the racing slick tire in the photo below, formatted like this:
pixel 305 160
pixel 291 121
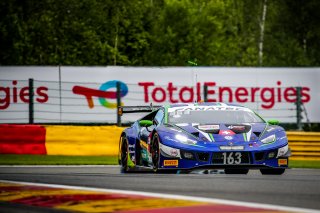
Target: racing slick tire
pixel 236 171
pixel 155 152
pixel 124 155
pixel 272 171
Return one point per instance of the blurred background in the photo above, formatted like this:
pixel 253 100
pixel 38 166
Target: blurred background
pixel 269 39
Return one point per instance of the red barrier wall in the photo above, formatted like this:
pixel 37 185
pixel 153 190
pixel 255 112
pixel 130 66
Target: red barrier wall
pixel 22 139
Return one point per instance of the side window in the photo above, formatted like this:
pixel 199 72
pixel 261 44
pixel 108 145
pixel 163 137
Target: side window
pixel 159 117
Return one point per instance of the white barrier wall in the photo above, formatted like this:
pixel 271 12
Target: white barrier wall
pixel 87 94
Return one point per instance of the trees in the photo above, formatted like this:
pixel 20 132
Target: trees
pixel 158 32
pixel 293 33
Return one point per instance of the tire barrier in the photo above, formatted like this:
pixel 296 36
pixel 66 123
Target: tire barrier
pixel 103 140
pixel 82 140
pixel 304 145
pixel 22 139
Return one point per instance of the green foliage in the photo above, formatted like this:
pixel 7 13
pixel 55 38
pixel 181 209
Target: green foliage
pixel 159 32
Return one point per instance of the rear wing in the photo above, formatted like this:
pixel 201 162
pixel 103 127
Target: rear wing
pixel 136 109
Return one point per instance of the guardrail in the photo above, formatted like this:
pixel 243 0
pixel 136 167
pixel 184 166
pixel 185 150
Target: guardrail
pixel 304 145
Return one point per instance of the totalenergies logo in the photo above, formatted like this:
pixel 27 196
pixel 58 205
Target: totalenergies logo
pixel 102 93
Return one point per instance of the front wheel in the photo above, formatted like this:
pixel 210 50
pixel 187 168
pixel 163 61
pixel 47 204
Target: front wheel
pixel 236 171
pixel 124 155
pixel 272 171
pixel 155 152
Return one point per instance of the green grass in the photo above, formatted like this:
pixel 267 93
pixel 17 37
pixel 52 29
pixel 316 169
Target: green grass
pixel 57 160
pixel 98 160
pixel 304 164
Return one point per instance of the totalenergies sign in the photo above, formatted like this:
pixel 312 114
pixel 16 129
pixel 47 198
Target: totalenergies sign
pixel 15 93
pixel 102 93
pixel 90 92
pixel 267 96
pixel 152 93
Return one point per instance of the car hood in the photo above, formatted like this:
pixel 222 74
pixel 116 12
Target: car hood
pixel 248 132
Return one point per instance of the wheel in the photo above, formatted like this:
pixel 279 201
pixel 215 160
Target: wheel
pixel 236 171
pixel 124 155
pixel 272 171
pixel 155 152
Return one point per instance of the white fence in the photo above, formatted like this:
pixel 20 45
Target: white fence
pixel 87 94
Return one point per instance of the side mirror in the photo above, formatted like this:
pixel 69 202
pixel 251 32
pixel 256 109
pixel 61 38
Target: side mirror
pixel 145 123
pixel 273 122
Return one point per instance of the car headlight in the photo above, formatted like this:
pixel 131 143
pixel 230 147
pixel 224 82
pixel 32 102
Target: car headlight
pixel 185 140
pixel 169 151
pixel 282 151
pixel 269 139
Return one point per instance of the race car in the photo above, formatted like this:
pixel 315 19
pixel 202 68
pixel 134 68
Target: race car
pixel 186 137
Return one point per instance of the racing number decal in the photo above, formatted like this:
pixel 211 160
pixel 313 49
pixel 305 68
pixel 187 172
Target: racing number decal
pixel 231 157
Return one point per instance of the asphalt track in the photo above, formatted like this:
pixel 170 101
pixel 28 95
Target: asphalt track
pixel 296 188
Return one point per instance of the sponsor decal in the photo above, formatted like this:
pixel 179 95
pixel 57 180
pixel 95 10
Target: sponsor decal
pixel 282 162
pixel 144 144
pixel 170 162
pixel 186 109
pixel 226 132
pixel 237 128
pixel 208 127
pixel 102 93
pixel 228 137
pixel 254 144
pixel 231 147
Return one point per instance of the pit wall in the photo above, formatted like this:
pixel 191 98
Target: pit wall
pixel 104 140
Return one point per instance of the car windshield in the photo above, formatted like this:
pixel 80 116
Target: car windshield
pixel 213 116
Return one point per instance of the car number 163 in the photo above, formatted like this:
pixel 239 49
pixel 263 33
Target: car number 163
pixel 231 157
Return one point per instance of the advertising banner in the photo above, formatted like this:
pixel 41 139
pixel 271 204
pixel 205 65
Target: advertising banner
pixel 88 94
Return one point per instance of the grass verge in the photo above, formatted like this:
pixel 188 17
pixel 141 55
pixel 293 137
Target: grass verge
pixel 304 164
pixel 99 160
pixel 57 160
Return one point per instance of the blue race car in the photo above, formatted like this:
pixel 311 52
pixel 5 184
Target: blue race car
pixel 184 137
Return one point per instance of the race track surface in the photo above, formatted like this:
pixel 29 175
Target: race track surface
pixel 296 188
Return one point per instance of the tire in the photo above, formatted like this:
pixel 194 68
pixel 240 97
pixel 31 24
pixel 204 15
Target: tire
pixel 272 171
pixel 236 171
pixel 124 155
pixel 155 152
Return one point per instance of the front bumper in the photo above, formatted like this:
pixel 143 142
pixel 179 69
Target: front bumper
pixel 253 159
